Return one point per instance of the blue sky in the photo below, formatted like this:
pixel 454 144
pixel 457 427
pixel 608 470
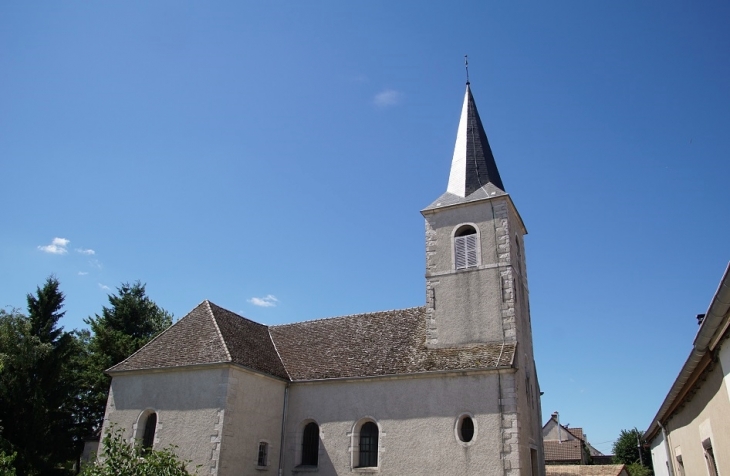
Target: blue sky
pixel 273 158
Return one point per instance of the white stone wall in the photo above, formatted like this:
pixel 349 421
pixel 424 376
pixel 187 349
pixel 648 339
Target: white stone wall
pixel 254 409
pixel 190 407
pixel 417 417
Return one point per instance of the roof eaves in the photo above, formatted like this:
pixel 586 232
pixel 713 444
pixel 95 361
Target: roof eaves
pixel 714 316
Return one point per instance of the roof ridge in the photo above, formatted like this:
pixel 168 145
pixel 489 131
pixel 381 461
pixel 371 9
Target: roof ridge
pixel 273 342
pixel 153 339
pixel 218 329
pixel 345 316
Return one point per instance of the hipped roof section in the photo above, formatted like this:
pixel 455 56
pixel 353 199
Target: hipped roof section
pixel 363 345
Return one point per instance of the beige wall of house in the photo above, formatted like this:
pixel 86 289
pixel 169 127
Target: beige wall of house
pixel 704 418
pixel 187 417
pixel 254 410
pixel 417 417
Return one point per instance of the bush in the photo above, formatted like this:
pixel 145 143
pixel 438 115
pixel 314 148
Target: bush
pixel 636 469
pixel 118 457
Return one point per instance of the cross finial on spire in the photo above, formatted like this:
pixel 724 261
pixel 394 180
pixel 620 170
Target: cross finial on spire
pixel 466 65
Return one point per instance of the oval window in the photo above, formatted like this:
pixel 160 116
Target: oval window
pixel 466 429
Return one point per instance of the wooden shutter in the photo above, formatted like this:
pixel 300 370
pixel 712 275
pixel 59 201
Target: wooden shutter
pixel 465 251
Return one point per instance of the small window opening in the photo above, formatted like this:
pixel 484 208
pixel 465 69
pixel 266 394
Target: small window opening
pixel 466 429
pixel 148 439
pixel 465 247
pixel 263 458
pixel 710 458
pixel 368 445
pixel 310 445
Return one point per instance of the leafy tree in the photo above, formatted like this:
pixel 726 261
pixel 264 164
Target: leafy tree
pixel 118 457
pixel 36 392
pixel 131 321
pixel 626 450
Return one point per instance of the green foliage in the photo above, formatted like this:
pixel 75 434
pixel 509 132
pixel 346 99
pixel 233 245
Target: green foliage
pixel 636 469
pixel 119 457
pixel 7 468
pixel 131 321
pixel 626 449
pixel 36 388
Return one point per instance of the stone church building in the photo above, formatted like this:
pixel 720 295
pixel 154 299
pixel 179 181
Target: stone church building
pixel 448 388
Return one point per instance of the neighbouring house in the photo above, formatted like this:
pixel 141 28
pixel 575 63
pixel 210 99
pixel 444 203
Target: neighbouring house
pixel 448 388
pixel 690 434
pixel 568 446
pixel 586 470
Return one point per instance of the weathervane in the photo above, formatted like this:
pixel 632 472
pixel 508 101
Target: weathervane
pixel 466 65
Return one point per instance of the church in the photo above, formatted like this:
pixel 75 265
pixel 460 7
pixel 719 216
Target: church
pixel 448 388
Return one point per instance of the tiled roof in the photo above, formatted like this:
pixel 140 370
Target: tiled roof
pixel 562 451
pixel 379 343
pixel 364 345
pixel 577 432
pixel 585 470
pixel 209 334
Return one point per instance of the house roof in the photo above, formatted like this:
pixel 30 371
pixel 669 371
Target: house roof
pixel 378 343
pixel 577 432
pixel 362 345
pixel 585 470
pixel 714 326
pixel 209 334
pixel 567 450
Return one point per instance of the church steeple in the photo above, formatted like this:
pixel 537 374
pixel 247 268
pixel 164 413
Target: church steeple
pixel 473 165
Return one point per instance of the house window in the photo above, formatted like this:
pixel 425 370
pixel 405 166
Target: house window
pixel 465 428
pixel 148 438
pixel 680 465
pixel 263 457
pixel 368 451
pixel 466 247
pixel 310 445
pixel 710 457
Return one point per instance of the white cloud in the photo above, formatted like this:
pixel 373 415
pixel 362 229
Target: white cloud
pixel 83 273
pixel 57 246
pixel 104 287
pixel 267 301
pixel 386 98
pixel 85 251
pixel 95 263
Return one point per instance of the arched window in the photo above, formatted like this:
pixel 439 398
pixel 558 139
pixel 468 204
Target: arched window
pixel 148 438
pixel 310 445
pixel 368 454
pixel 466 247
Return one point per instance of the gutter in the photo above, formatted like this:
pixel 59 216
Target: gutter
pixel 698 358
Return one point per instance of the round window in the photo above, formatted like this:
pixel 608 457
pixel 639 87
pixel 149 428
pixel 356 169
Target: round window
pixel 466 429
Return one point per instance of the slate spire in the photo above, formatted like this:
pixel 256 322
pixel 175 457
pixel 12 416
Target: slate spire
pixel 473 165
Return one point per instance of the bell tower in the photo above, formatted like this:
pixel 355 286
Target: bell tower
pixel 476 284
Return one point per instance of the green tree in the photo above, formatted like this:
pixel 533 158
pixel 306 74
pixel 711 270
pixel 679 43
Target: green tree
pixel 626 450
pixel 131 320
pixel 118 457
pixel 36 393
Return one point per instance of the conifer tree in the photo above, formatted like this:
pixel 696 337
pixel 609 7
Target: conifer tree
pixel 131 320
pixel 36 393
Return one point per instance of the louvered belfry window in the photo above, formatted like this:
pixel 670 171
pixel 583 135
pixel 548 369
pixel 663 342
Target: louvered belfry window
pixel 368 445
pixel 310 445
pixel 465 248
